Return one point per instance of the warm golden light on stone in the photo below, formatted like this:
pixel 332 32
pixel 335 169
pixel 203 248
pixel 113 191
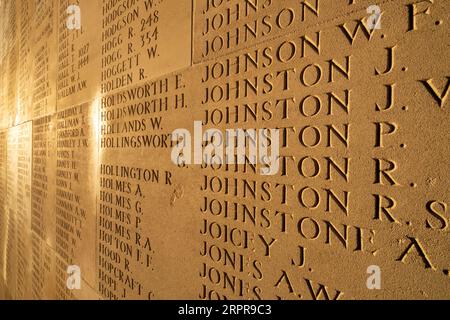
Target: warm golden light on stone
pixel 92 205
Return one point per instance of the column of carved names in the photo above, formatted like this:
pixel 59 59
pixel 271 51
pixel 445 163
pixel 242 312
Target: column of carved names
pixel 10 61
pixel 44 57
pixel 75 194
pixel 129 41
pixel 26 10
pixel 78 53
pixel 3 215
pixel 23 211
pixel 328 105
pixel 10 209
pixel 18 239
pixel 258 88
pixel 133 135
pixel 43 207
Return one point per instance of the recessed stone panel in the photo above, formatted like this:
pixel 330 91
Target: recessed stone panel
pixel 76 169
pixel 18 206
pixel 146 203
pixel 143 40
pixel 223 26
pixel 44 179
pixel 3 209
pixel 79 51
pixel 100 99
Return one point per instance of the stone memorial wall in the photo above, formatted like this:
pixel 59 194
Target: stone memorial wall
pixel 350 98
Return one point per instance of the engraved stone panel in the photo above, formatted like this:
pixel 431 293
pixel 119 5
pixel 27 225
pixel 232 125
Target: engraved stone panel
pixel 24 75
pixel 3 209
pixel 335 204
pixel 44 53
pixel 224 26
pixel 79 52
pixel 144 206
pixel 44 179
pixel 10 59
pixel 97 98
pixel 138 41
pixel 143 40
pixel 43 208
pixel 76 169
pixel 43 282
pixel 4 115
pixel 10 245
pixel 18 235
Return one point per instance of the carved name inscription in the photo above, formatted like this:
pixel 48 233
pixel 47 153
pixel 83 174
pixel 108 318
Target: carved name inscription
pixel 94 95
